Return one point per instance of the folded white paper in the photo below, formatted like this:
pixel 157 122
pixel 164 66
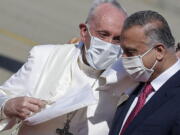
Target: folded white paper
pixel 73 100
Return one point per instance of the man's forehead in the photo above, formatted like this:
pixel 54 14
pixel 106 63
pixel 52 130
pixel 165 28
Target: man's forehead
pixel 134 37
pixel 100 26
pixel 108 23
pixel 135 34
pixel 141 29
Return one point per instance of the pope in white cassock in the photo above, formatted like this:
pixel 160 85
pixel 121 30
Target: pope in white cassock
pixel 57 91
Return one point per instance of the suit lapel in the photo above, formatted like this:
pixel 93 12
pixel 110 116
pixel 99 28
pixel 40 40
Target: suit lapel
pixel 165 93
pixel 122 111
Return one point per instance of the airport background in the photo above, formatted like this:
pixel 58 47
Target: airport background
pixel 26 23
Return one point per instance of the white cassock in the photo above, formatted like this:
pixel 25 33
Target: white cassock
pixel 56 73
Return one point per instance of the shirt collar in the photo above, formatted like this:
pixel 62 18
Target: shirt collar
pixel 162 78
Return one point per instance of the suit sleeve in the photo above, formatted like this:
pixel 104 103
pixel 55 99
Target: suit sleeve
pixel 20 82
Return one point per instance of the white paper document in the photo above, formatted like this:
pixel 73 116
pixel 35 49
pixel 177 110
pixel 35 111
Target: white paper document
pixel 75 99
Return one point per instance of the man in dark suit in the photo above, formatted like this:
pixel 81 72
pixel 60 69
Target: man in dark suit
pixel 149 57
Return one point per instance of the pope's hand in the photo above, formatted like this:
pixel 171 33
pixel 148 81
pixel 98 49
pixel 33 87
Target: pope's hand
pixel 23 107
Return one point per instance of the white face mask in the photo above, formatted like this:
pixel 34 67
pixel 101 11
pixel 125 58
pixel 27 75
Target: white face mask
pixel 101 54
pixel 135 68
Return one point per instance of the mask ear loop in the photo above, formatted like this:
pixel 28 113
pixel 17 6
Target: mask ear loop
pixel 154 65
pixel 88 29
pixel 142 55
pixel 152 68
pixel 146 52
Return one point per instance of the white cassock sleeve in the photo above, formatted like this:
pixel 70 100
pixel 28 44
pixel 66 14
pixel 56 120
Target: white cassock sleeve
pixel 22 81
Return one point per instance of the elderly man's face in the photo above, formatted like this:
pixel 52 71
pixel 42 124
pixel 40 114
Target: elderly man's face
pixel 134 43
pixel 105 25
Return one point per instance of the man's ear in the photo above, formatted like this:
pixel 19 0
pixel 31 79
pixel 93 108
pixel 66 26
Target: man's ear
pixel 160 51
pixel 83 31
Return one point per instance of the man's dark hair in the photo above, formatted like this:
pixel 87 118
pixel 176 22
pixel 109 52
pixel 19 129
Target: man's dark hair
pixel 159 32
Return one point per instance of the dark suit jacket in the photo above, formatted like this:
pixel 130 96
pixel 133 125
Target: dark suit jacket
pixel 160 115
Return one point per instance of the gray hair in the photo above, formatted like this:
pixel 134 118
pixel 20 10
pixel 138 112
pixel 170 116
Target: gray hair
pixel 160 33
pixel 96 3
